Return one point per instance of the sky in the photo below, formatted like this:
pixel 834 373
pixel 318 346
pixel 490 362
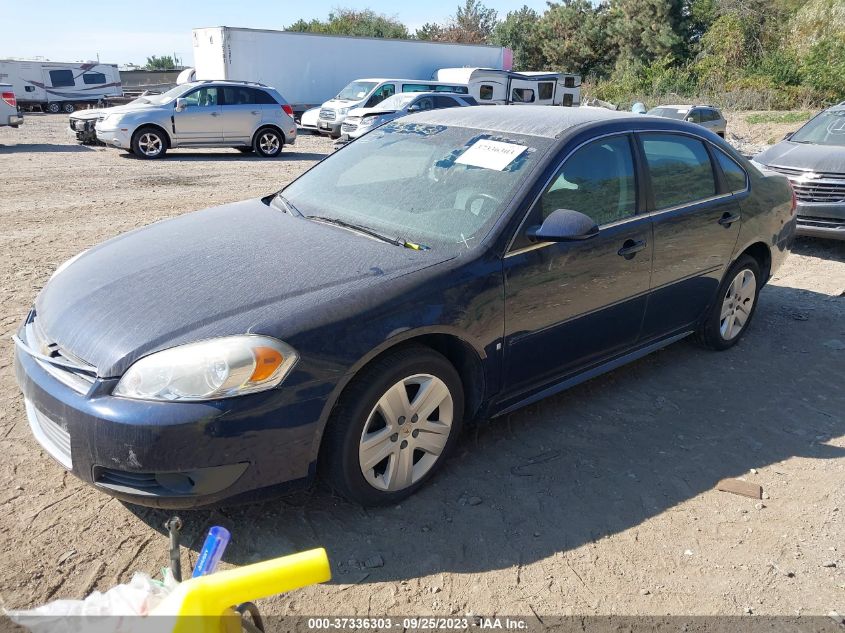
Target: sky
pixel 123 32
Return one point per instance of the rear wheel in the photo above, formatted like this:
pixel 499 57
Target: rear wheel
pixel 68 108
pixel 54 108
pixel 268 142
pixel 734 307
pixel 393 427
pixel 149 143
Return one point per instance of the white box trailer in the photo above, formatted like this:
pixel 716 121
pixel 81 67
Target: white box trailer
pixel 60 86
pixel 309 69
pixel 492 85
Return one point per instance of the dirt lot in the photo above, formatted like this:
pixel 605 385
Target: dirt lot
pixel 597 501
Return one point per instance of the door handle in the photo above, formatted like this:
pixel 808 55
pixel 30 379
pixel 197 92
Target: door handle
pixel 631 248
pixel 255 112
pixel 215 114
pixel 727 219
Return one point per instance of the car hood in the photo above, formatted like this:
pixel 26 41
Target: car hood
pixel 240 268
pixel 368 111
pixel 93 113
pixel 820 158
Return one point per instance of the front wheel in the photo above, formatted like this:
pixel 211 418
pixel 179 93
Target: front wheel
pixel 149 143
pixel 268 142
pixel 69 108
pixel 54 108
pixel 393 427
pixel 735 304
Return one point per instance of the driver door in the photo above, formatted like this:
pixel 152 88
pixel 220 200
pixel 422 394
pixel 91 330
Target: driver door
pixel 201 121
pixel 572 304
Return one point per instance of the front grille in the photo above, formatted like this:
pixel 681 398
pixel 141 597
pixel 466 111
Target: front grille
pixel 822 187
pixel 327 114
pixel 348 127
pixel 138 483
pixel 821 223
pixel 52 435
pixel 59 363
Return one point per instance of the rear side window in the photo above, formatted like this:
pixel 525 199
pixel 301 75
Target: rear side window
pixel 680 169
pixel 485 93
pixel 569 82
pixel 93 78
pixel 415 88
pixel 597 180
pixel 264 98
pixel 61 78
pixel 545 90
pixel 734 174
pixel 238 96
pixel 444 102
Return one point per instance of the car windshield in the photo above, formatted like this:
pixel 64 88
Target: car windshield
pixel 669 113
pixel 356 91
pixel 440 186
pixel 396 102
pixel 828 128
pixel 167 97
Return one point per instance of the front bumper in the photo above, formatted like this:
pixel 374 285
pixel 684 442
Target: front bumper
pixel 329 127
pixel 825 220
pixel 117 137
pixel 167 454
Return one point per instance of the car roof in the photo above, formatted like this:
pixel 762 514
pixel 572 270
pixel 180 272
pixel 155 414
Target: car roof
pixel 545 121
pixel 678 107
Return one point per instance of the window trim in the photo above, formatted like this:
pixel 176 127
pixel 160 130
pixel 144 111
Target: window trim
pixel 641 173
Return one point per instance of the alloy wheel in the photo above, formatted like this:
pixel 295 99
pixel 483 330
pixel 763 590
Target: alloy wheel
pixel 150 144
pixel 269 143
pixel 406 432
pixel 737 304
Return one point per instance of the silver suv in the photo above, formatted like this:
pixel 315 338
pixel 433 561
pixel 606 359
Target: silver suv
pixel 705 115
pixel 244 115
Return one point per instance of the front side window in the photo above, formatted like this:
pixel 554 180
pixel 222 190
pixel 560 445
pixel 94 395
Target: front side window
pixel 485 93
pixel 680 169
pixel 425 103
pixel 734 174
pixel 61 78
pixel 437 185
pixel 597 180
pixel 522 95
pixel 384 92
pixel 695 116
pixel 93 78
pixel 204 97
pixel 545 90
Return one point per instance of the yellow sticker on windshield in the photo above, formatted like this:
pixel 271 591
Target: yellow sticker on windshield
pixel 491 154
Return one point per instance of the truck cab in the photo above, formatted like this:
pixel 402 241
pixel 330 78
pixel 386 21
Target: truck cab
pixel 368 93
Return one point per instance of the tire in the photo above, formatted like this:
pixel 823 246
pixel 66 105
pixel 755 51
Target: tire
pixel 737 299
pixel 149 143
pixel 68 108
pixel 419 445
pixel 53 108
pixel 268 142
pixel 245 150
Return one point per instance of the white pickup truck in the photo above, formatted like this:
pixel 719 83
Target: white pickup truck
pixel 9 112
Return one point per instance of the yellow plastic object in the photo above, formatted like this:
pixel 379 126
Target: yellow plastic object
pixel 214 595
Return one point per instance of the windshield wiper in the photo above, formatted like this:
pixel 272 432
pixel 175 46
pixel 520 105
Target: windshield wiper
pixel 287 205
pixel 396 241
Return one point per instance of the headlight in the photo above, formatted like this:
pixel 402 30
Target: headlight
pixel 343 111
pixel 367 122
pixel 112 119
pixel 67 263
pixel 208 370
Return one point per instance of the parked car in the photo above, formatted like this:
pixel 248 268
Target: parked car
pixel 362 120
pixel 308 120
pixel 457 265
pixel 704 115
pixel 368 93
pixel 82 124
pixel 247 116
pixel 10 114
pixel 813 158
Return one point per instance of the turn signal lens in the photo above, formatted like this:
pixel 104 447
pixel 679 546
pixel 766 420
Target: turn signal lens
pixel 267 361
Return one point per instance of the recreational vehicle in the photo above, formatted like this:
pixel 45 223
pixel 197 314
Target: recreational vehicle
pixel 490 85
pixel 57 86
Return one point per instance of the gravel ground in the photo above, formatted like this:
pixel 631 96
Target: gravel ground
pixel 598 501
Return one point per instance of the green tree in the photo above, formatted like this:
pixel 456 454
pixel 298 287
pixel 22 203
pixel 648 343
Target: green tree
pixel 573 37
pixel 647 30
pixel 165 62
pixel 518 31
pixel 824 68
pixel 429 31
pixel 473 23
pixel 366 23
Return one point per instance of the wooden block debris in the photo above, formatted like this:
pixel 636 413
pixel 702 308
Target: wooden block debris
pixel 739 487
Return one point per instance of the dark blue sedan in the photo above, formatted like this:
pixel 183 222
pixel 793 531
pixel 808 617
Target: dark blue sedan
pixel 451 266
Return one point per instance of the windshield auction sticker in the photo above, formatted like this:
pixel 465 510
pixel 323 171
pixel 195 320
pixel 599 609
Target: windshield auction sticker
pixel 491 154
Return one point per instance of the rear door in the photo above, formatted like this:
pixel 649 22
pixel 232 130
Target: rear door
pixel 696 225
pixel 200 122
pixel 572 304
pixel 240 114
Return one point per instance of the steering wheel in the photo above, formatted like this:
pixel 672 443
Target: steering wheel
pixel 479 196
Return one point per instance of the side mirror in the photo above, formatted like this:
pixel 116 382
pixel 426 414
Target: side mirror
pixel 414 108
pixel 690 118
pixel 564 225
pixel 181 104
pixel 788 136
